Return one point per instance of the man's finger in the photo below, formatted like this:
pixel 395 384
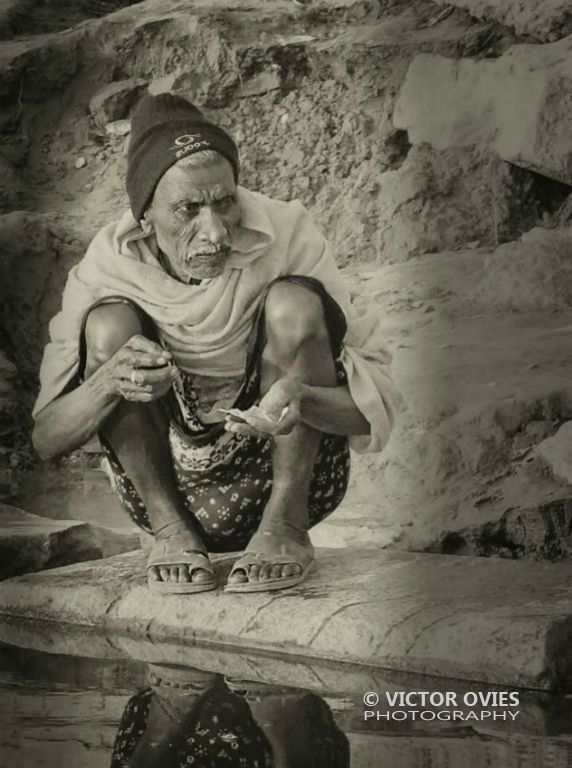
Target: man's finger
pixel 154 375
pixel 141 376
pixel 143 359
pixel 240 428
pixel 143 344
pixel 129 388
pixel 140 397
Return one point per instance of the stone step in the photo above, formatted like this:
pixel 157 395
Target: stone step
pixel 494 621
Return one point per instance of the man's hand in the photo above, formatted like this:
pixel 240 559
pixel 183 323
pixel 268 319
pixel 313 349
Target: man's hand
pixel 281 404
pixel 141 371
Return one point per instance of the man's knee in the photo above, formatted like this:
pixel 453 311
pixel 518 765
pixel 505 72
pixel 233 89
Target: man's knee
pixel 107 329
pixel 295 314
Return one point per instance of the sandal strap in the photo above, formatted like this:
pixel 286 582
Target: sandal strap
pixel 293 553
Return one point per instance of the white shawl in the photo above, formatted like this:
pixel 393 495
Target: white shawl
pixel 206 326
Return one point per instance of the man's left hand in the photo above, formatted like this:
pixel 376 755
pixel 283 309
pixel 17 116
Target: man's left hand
pixel 281 404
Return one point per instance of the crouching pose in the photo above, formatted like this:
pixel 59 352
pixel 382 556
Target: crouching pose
pixel 207 298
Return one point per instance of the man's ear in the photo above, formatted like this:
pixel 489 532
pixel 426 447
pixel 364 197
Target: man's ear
pixel 146 224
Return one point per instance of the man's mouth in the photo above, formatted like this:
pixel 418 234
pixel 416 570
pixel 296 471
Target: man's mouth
pixel 207 255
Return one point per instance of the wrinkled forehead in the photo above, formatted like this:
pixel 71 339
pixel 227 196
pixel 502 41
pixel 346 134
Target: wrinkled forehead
pixel 207 180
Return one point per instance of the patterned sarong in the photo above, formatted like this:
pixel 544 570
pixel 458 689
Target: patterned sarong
pixel 225 479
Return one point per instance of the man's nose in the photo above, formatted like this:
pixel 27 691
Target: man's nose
pixel 211 227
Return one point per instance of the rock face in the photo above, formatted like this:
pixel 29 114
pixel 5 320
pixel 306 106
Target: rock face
pixel 115 101
pixel 12 190
pixel 29 250
pixel 30 543
pixel 487 334
pixel 519 104
pixel 546 21
pixel 556 454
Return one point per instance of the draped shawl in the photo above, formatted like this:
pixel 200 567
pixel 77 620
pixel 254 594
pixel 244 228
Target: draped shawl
pixel 206 326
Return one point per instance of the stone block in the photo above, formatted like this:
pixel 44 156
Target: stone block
pixel 488 620
pixel 519 104
pixel 116 100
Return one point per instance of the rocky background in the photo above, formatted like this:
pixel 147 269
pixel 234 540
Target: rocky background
pixel 433 143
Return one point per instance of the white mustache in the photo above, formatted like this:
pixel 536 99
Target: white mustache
pixel 207 252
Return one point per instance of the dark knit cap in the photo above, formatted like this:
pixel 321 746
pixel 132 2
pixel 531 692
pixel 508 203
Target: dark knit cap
pixel 164 129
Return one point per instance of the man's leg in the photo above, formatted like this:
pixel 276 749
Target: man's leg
pixel 138 434
pixel 298 346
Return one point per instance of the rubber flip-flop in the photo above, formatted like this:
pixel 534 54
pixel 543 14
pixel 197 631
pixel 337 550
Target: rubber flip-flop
pixel 165 554
pixel 290 553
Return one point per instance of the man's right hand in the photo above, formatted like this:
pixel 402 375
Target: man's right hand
pixel 141 371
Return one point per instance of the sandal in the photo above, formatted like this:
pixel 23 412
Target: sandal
pixel 256 691
pixel 290 553
pixel 165 554
pixel 185 679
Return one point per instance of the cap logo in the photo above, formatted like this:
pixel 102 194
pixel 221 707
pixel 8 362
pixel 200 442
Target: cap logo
pixel 188 142
pixel 185 139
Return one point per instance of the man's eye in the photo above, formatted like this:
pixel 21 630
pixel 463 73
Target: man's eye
pixel 189 209
pixel 225 201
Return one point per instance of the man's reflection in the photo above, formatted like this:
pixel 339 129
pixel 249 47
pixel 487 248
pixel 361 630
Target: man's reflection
pixel 188 717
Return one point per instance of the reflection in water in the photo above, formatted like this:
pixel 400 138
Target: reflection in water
pixel 188 717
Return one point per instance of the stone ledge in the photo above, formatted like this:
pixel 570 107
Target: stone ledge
pixel 488 620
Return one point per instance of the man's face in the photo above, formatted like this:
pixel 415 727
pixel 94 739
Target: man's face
pixel 194 213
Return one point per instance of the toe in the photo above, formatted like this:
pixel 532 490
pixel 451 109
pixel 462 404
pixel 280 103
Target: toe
pixel 254 573
pixel 265 572
pixel 238 577
pixel 154 574
pixel 165 573
pixel 182 574
pixel 200 576
pixel 276 572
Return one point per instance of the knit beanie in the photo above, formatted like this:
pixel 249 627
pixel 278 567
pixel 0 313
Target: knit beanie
pixel 164 129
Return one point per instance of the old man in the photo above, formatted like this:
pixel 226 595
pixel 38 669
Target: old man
pixel 207 298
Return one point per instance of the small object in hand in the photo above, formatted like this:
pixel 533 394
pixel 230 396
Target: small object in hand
pixel 256 417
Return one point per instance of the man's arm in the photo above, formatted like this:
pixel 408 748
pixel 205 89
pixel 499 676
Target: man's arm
pixel 326 409
pixel 332 410
pixel 138 372
pixel 71 420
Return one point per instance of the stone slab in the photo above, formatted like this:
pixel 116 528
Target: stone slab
pixel 455 103
pixel 488 620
